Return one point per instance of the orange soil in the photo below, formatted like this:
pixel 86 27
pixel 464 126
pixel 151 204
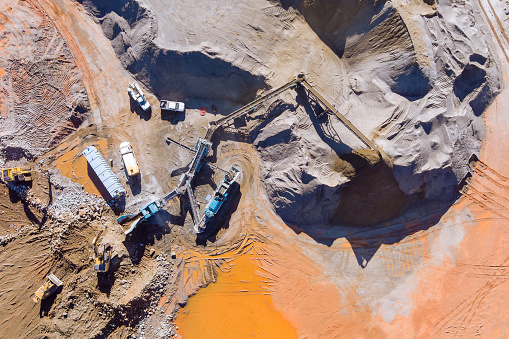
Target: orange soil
pixel 75 167
pixel 238 305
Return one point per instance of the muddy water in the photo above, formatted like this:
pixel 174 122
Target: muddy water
pixel 238 305
pixel 75 167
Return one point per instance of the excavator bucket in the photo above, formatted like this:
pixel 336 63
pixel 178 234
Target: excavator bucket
pixel 133 226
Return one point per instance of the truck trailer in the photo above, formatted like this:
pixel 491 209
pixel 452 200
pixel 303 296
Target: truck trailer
pixel 104 172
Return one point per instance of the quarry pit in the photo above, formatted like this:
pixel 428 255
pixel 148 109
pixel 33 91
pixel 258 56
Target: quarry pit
pixel 390 224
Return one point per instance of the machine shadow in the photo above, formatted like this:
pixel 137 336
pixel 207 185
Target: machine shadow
pixel 134 182
pixel 135 107
pixel 173 117
pixel 48 302
pixel 105 280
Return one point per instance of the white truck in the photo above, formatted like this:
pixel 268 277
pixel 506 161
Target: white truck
pixel 137 94
pixel 172 106
pixel 131 166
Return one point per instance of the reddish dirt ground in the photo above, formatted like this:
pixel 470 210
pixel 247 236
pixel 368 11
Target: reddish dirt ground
pixel 449 280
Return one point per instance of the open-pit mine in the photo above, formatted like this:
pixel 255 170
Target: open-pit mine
pixel 249 169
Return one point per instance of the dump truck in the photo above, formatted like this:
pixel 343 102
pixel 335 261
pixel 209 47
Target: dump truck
pixel 16 174
pixel 131 166
pixel 137 94
pixel 172 106
pixel 102 255
pixel 48 288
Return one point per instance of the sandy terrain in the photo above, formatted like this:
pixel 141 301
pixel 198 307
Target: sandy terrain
pixel 322 238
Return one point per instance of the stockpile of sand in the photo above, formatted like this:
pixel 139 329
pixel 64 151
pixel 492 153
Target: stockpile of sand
pixel 419 95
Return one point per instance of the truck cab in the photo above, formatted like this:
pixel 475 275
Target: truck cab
pixel 131 166
pixel 137 94
pixel 172 106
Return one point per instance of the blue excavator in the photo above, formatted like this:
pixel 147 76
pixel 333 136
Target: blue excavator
pixel 147 211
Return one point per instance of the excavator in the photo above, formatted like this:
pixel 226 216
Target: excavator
pixel 147 211
pixel 16 174
pixel 48 288
pixel 102 257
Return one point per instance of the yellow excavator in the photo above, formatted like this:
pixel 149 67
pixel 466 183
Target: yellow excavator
pixel 102 256
pixel 16 174
pixel 48 288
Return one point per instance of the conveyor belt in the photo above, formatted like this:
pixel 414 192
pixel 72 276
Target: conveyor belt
pixel 192 202
pixel 340 116
pixel 213 125
pixel 300 79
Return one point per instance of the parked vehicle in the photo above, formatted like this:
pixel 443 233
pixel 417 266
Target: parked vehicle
pixel 104 172
pixel 137 94
pixel 131 166
pixel 172 106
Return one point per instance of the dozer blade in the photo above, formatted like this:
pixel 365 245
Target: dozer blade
pixel 55 280
pixel 125 218
pixel 133 226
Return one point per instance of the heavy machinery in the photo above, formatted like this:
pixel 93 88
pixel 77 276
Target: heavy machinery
pixel 131 166
pixel 137 94
pixel 299 80
pixel 16 174
pixel 48 288
pixel 204 144
pixel 220 195
pixel 102 256
pixel 104 172
pixel 147 211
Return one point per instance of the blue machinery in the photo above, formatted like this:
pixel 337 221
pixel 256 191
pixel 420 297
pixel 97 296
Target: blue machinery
pixel 223 188
pixel 201 150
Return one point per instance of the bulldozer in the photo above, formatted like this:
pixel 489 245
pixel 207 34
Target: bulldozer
pixel 16 174
pixel 102 257
pixel 48 288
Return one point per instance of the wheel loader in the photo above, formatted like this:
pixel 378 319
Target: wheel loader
pixel 102 257
pixel 16 174
pixel 48 288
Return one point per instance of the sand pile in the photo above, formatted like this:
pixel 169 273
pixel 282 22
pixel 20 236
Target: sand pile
pixel 42 96
pixel 416 83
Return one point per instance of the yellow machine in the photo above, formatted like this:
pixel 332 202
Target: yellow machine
pixel 48 288
pixel 16 174
pixel 102 257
